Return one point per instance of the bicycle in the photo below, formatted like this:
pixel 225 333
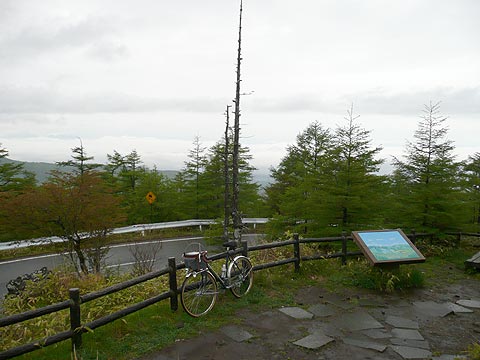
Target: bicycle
pixel 199 289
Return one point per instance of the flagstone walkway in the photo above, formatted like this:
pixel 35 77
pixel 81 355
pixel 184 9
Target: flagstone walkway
pixel 361 325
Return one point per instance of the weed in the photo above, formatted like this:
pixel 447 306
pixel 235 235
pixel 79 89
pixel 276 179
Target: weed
pixel 473 351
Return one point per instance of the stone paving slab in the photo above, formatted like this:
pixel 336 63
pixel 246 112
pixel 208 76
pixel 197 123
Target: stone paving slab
pixel 365 344
pixel 236 333
pixel 469 303
pixel 314 341
pixel 457 309
pixel 407 352
pixel 297 313
pixel 359 320
pixel 431 308
pixel 401 322
pixel 377 333
pixel 322 310
pixel 343 304
pixel 422 344
pixel 407 334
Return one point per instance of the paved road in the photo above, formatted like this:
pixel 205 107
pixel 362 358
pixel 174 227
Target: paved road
pixel 119 256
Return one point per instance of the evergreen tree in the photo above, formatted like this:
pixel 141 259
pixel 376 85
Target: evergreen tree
pixel 80 161
pixel 164 208
pixel 13 177
pixel 328 180
pixel 429 175
pixel 131 170
pixel 471 177
pixel 298 189
pixel 356 188
pixel 194 167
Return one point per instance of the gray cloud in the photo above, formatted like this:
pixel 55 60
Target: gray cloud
pixel 15 100
pixel 454 101
pixel 93 34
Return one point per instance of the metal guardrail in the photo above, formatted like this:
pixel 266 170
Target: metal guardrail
pixel 128 229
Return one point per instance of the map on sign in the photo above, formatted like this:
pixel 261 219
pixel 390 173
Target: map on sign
pixel 150 197
pixel 387 246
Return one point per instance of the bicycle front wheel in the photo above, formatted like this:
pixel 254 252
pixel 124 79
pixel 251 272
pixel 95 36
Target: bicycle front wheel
pixel 199 293
pixel 240 275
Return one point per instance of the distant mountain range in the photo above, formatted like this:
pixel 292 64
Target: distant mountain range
pixel 42 171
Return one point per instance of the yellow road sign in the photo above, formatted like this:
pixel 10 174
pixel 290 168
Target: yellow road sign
pixel 150 197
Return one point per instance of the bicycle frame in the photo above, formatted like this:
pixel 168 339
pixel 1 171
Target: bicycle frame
pixel 222 280
pixel 238 279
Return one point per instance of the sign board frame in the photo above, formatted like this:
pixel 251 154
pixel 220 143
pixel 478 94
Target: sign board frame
pixel 387 247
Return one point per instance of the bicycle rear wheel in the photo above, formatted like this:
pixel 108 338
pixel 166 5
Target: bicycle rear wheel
pixel 240 275
pixel 199 293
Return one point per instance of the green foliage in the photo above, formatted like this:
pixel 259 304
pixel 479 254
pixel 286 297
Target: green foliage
pixel 427 177
pixel 360 273
pixel 55 289
pixel 13 176
pixel 80 162
pixel 473 351
pixel 329 180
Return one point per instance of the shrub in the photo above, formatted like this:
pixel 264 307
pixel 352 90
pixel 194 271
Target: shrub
pixel 360 273
pixel 54 289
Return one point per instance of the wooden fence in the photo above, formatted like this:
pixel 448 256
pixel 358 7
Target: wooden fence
pixel 76 299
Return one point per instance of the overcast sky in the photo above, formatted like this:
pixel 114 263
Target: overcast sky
pixel 152 75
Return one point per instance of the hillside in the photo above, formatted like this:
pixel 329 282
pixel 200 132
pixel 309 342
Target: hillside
pixel 40 169
pixel 43 169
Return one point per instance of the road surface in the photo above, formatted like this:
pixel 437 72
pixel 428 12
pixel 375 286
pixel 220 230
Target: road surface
pixel 119 257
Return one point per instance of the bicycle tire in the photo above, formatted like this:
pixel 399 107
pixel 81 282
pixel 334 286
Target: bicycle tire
pixel 240 276
pixel 198 295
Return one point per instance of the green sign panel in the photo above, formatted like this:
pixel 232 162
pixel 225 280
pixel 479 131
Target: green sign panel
pixel 387 247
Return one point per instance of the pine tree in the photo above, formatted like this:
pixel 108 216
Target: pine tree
pixel 80 161
pixel 298 190
pixel 429 175
pixel 13 177
pixel 471 177
pixel 194 168
pixel 356 186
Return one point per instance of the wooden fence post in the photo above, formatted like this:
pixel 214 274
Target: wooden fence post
pixel 75 321
pixel 172 277
pixel 245 248
pixel 413 239
pixel 344 248
pixel 296 252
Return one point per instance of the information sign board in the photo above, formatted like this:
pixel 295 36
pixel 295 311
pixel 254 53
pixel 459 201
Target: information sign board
pixel 387 247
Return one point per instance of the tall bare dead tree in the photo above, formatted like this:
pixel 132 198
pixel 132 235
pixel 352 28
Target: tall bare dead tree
pixel 226 175
pixel 236 216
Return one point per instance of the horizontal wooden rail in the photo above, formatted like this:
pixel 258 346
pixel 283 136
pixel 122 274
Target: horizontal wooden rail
pixel 124 285
pixel 32 314
pixel 274 264
pixel 124 312
pixel 23 349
